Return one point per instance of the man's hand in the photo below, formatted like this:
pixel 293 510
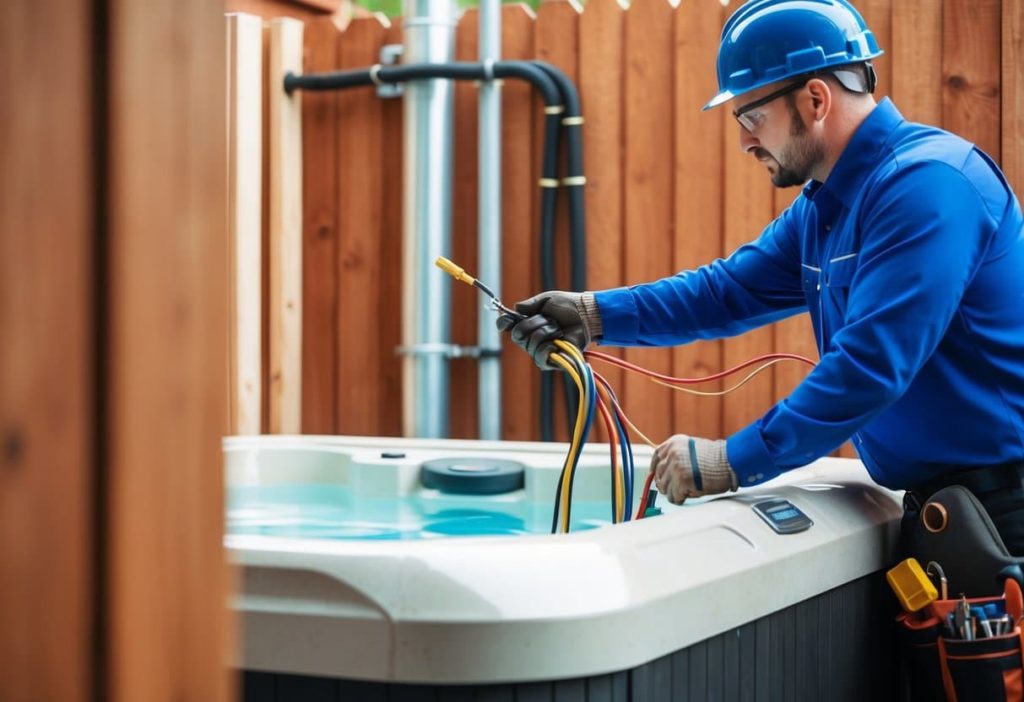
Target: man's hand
pixel 685 466
pixel 553 315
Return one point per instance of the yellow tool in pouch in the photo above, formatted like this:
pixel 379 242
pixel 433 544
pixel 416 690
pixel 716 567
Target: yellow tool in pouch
pixel 913 588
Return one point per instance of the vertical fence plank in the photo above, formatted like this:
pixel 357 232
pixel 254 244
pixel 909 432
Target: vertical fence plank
pixel 556 41
pixel 878 16
pixel 360 202
pixel 463 373
pixel 749 206
pixel 285 165
pixel 915 55
pixel 600 84
pixel 165 614
pixel 320 233
pixel 48 395
pixel 698 196
pixel 971 70
pixel 519 271
pixel 1013 93
pixel 245 203
pixel 389 323
pixel 649 119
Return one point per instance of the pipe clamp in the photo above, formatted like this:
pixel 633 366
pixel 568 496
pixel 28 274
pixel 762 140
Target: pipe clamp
pixel 447 350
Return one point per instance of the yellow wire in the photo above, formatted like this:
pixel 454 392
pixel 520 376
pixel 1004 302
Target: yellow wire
pixel 574 351
pixel 571 349
pixel 565 495
pixel 706 393
pixel 576 434
pixel 620 478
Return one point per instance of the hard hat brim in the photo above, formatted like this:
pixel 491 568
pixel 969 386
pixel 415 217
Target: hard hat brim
pixel 720 99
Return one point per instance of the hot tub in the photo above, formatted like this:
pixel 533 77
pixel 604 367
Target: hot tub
pixel 774 590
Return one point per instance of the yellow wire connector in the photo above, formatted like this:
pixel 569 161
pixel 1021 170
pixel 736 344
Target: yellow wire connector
pixel 463 277
pixel 454 271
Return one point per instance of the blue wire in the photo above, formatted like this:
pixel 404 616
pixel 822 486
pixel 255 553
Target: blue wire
pixel 592 401
pixel 628 470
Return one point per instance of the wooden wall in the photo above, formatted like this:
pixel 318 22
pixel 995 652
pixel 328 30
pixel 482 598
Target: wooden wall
pixel 47 355
pixel 165 351
pixel 113 364
pixel 667 189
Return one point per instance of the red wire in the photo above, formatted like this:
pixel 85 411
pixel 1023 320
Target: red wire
pixel 643 500
pixel 613 444
pixel 615 361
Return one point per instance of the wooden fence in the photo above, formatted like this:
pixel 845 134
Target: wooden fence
pixel 667 189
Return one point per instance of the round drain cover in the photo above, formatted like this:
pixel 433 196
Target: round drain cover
pixel 470 475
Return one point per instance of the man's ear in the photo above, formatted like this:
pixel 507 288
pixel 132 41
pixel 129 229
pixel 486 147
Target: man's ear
pixel 820 98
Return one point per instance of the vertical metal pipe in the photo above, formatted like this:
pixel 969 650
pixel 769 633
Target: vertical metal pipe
pixel 489 265
pixel 428 109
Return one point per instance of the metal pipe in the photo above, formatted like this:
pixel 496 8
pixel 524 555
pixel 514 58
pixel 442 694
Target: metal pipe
pixel 428 109
pixel 489 187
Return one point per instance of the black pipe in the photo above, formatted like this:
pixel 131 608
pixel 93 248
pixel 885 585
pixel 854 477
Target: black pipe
pixel 562 108
pixel 572 123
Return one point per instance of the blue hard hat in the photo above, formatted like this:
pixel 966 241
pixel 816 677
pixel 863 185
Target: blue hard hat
pixel 770 40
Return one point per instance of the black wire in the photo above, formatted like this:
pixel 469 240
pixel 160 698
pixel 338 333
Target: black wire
pixel 577 240
pixel 582 372
pixel 574 161
pixel 547 388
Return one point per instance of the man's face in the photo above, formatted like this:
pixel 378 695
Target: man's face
pixel 775 134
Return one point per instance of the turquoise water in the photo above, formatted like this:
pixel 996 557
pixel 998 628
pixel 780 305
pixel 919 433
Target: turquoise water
pixel 330 512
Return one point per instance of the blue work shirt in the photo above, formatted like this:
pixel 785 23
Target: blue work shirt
pixel 910 260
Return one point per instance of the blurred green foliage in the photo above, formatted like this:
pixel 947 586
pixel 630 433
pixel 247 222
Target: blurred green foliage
pixel 393 8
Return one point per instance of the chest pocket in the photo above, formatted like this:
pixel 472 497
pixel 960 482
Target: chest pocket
pixel 836 279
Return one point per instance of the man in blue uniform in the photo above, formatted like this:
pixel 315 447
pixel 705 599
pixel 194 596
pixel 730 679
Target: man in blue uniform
pixel 905 247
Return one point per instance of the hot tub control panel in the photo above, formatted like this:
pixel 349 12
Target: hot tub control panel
pixel 782 516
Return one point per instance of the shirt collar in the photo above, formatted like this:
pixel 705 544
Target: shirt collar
pixel 860 156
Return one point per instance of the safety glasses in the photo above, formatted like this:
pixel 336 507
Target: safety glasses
pixel 748 116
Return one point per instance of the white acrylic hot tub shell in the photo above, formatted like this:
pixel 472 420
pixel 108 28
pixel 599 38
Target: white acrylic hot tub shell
pixel 501 609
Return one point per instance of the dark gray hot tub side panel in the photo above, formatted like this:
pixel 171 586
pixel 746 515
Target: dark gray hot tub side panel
pixel 836 646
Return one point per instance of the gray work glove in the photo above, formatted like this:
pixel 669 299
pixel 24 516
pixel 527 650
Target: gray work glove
pixel 685 466
pixel 553 315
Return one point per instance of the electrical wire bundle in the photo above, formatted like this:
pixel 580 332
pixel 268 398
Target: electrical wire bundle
pixel 597 397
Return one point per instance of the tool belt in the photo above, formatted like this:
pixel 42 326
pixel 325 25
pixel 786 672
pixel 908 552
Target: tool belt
pixel 967 643
pixel 978 480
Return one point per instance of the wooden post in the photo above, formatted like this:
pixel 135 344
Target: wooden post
pixel 48 394
pixel 320 234
pixel 1013 94
pixel 361 199
pixel 285 248
pixel 166 626
pixel 245 163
